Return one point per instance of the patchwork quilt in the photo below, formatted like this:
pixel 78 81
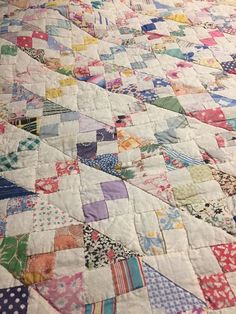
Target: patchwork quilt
pixel 118 156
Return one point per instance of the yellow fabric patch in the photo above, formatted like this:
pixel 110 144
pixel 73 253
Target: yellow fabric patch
pixel 53 93
pixel 78 47
pixel 200 173
pixel 181 18
pixel 68 82
pixel 30 278
pixel 186 194
pixel 90 40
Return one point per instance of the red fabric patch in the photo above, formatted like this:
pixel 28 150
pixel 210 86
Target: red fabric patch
pixel 40 35
pixel 213 116
pixel 2 127
pixel 24 41
pixel 67 167
pixel 47 185
pixel 226 256
pixel 217 291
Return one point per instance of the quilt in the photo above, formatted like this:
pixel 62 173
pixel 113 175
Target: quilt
pixel 117 157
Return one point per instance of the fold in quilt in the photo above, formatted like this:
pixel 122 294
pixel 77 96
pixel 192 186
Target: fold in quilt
pixel 118 156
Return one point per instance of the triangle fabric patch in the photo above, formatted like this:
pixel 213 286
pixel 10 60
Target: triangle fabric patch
pixel 9 190
pixel 101 250
pixel 47 217
pixel 164 293
pixel 65 293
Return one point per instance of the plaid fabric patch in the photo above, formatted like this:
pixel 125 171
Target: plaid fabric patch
pixel 127 275
pixel 8 161
pixel 28 144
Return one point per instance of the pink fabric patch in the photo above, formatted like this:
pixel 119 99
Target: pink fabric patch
pixel 226 256
pixel 67 167
pixel 65 293
pixel 208 41
pixel 47 185
pixel 217 291
pixel 213 116
pixel 216 34
pixel 2 127
pixel 40 35
pixel 24 41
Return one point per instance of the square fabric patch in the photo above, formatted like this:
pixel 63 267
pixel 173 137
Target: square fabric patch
pixel 114 190
pixel 226 256
pixel 95 211
pixel 127 275
pixel 217 291
pixel 14 300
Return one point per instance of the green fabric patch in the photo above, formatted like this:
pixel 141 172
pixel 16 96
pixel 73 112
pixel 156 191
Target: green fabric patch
pixel 8 161
pixel 9 50
pixel 28 144
pixel 13 254
pixel 177 53
pixel 169 103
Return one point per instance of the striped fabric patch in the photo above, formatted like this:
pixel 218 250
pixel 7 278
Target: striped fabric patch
pixel 104 307
pixel 127 275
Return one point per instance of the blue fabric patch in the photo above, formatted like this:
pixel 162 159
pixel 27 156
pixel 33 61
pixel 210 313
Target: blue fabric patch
pixel 106 163
pixel 148 27
pixel 49 131
pixel 70 116
pixel 9 190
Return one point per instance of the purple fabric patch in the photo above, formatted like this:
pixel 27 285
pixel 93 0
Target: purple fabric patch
pixel 87 150
pixel 114 190
pixel 95 211
pixel 106 135
pixel 14 300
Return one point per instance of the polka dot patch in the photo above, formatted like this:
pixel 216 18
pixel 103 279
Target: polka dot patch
pixel 14 300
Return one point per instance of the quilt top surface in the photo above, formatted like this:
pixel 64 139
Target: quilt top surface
pixel 118 156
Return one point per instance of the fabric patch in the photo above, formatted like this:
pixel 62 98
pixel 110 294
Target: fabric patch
pixel 68 238
pixel 169 103
pixel 217 291
pixel 9 50
pixel 151 243
pixel 213 117
pixel 39 268
pixel 163 293
pixel 47 216
pixel 24 41
pixel 47 185
pixel 104 307
pixel 65 293
pixel 101 250
pixel 176 160
pixel 226 181
pixel 215 213
pixel 13 254
pixel 226 256
pixel 7 162
pixel 87 150
pixel 108 134
pixel 200 173
pixel 95 211
pixel 186 194
pixel 107 162
pixel 127 275
pixel 14 300
pixel 67 167
pixel 114 190
pixel 169 218
pixel 21 204
pixel 28 144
